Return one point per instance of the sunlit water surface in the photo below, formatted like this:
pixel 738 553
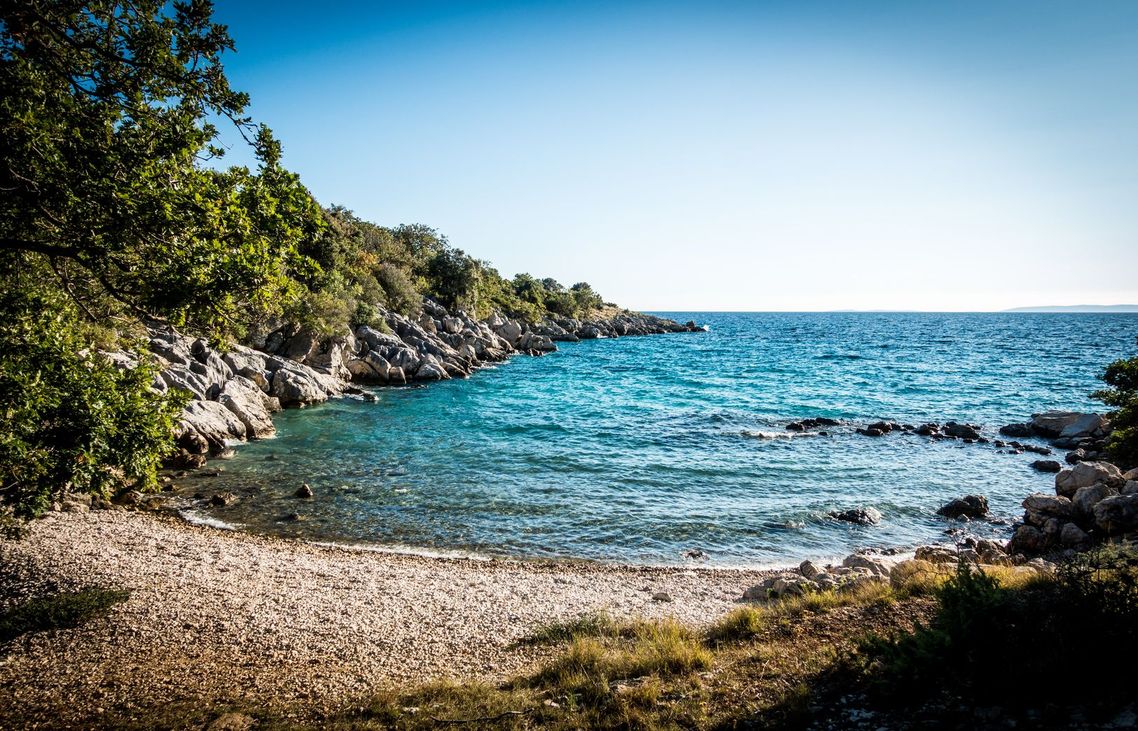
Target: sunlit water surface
pixel 639 449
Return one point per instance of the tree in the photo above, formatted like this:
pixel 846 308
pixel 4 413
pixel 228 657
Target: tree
pixel 105 111
pixel 454 279
pixel 1121 377
pixel 111 216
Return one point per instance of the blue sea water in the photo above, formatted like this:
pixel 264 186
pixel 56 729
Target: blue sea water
pixel 639 449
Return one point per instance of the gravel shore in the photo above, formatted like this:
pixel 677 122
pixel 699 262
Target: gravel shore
pixel 220 617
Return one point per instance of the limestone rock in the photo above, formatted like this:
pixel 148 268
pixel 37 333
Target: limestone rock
pixel 1117 514
pixel 1086 498
pixel 1085 474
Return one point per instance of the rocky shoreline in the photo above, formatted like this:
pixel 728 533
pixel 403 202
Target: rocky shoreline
pixel 235 391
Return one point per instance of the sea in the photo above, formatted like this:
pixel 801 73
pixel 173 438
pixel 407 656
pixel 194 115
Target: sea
pixel 673 449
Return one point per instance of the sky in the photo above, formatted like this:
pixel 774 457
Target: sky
pixel 711 156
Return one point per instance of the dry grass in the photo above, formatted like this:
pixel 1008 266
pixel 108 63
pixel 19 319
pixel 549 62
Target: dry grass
pixel 922 578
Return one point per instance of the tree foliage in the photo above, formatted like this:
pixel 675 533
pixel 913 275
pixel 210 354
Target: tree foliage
pixel 112 216
pixel 71 419
pixel 1121 378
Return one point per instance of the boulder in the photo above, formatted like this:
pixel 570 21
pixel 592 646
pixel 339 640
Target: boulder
pixel 969 506
pixel 510 331
pixel 1117 514
pixel 808 569
pixel 214 422
pixel 1027 539
pixel 1046 465
pixel 937 554
pixel 304 492
pixel 961 431
pixel 1067 424
pixel 250 405
pixel 1086 498
pixel 1017 431
pixel 859 516
pixel 857 560
pixel 1072 536
pixel 1040 507
pixel 1085 474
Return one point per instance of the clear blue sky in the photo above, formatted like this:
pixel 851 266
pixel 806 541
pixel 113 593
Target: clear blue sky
pixel 727 156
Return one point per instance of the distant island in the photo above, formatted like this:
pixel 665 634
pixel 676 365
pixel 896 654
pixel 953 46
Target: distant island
pixel 1077 308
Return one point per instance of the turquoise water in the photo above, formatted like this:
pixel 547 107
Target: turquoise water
pixel 639 449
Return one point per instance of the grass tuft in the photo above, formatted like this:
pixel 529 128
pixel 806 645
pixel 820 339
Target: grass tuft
pixel 593 624
pixel 740 625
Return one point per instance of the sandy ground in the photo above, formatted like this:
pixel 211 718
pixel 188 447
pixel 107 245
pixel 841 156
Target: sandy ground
pixel 222 617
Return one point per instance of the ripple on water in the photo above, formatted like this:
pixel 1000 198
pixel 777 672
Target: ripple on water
pixel 638 449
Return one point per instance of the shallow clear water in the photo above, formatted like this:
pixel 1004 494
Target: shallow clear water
pixel 638 449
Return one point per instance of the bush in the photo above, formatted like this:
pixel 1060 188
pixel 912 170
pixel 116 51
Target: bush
pixel 71 419
pixel 1121 378
pixel 1001 644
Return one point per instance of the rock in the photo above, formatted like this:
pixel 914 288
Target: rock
pixel 304 491
pixel 871 432
pixel 222 499
pixel 937 554
pixel 1046 465
pixel 1017 431
pixel 1117 514
pixel 1085 474
pixel 927 430
pixel 1086 498
pixel 1072 536
pixel 1130 475
pixel 212 421
pixel 511 332
pixel 1130 488
pixel 969 506
pixel 808 569
pixel 661 596
pixel 250 405
pixel 961 431
pixel 1076 456
pixel 857 560
pixel 859 516
pixel 1027 539
pixel 1040 507
pixel 1068 424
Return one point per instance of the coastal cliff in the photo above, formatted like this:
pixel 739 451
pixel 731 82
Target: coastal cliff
pixel 235 392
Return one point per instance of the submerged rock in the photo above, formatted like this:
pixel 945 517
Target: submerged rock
pixel 858 516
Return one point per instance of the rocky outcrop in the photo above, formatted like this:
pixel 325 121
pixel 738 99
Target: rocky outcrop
pixel 1093 502
pixel 235 391
pixel 856 571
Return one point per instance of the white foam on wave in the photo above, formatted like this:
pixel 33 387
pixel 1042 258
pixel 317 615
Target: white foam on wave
pixel 403 550
pixel 196 517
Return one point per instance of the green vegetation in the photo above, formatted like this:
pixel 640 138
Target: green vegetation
pixel 1000 644
pixel 117 213
pixel 58 611
pixel 1121 394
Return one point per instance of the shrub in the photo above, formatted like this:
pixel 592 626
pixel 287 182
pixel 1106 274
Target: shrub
pixel 1121 393
pixel 994 642
pixel 71 419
